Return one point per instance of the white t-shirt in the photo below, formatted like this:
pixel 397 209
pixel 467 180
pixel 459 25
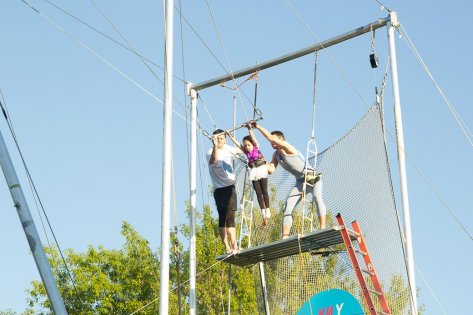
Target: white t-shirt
pixel 221 172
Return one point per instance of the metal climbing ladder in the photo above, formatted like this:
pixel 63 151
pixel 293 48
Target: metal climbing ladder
pixel 307 205
pixel 246 207
pixel 376 289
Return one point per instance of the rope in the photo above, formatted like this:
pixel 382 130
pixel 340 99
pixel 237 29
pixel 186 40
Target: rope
pixel 207 111
pixel 200 173
pixel 203 271
pixel 431 290
pixel 464 128
pixel 35 193
pixel 256 95
pixel 383 6
pixel 226 55
pixel 437 194
pixel 202 41
pixel 344 75
pixel 237 86
pixel 108 37
pixel 314 94
pixel 126 42
pixel 373 52
pixel 105 61
pixel 94 53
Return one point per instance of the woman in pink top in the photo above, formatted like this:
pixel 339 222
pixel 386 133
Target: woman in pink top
pixel 258 172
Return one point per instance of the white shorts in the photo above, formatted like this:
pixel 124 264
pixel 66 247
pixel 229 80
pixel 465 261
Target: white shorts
pixel 256 173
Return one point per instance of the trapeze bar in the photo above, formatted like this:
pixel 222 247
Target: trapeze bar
pixel 299 53
pixel 290 246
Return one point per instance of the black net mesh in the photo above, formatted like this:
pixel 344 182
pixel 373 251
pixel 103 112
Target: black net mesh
pixel 357 184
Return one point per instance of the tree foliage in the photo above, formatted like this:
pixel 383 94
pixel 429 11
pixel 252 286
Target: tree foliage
pixel 103 281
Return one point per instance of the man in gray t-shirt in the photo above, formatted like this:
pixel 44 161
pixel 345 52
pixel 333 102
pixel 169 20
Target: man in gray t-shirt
pixel 292 161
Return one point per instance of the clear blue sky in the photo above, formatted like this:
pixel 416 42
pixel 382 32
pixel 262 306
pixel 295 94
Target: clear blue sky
pixel 93 140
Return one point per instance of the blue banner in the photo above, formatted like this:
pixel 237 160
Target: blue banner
pixel 331 302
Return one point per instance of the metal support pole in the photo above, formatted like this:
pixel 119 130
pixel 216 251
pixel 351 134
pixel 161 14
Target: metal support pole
pixel 30 231
pixel 193 191
pixel 167 156
pixel 234 117
pixel 402 161
pixel 263 288
pixel 229 306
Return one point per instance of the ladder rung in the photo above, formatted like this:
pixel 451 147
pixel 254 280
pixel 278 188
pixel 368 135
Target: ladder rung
pixel 375 292
pixel 371 273
pixel 381 312
pixel 352 233
pixel 361 252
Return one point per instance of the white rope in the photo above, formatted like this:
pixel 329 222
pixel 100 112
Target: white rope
pixel 204 164
pixel 94 53
pixel 226 57
pixel 106 36
pixel 314 94
pixel 464 128
pixel 124 39
pixel 437 194
pixel 431 290
pixel 203 271
pixel 207 111
pixel 344 75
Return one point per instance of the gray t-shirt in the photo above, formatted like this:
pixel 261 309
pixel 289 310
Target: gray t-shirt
pixel 294 163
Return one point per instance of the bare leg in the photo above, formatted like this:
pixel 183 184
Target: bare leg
pixel 322 221
pixel 286 229
pixel 223 236
pixel 232 236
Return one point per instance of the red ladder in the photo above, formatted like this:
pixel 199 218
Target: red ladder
pixel 377 290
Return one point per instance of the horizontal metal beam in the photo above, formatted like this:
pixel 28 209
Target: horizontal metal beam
pixel 299 53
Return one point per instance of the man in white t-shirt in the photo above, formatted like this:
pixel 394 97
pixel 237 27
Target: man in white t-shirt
pixel 221 172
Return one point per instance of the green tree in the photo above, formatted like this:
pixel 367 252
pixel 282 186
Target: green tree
pixel 103 281
pixel 212 276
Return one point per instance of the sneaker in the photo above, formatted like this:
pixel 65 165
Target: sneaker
pixel 268 213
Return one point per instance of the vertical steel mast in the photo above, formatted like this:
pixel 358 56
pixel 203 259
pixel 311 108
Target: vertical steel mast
pixel 30 230
pixel 167 158
pixel 193 191
pixel 402 161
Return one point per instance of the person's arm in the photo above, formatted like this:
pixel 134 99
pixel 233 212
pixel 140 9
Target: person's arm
pixel 238 144
pixel 273 164
pixel 263 131
pixel 213 155
pixel 282 144
pixel 253 138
